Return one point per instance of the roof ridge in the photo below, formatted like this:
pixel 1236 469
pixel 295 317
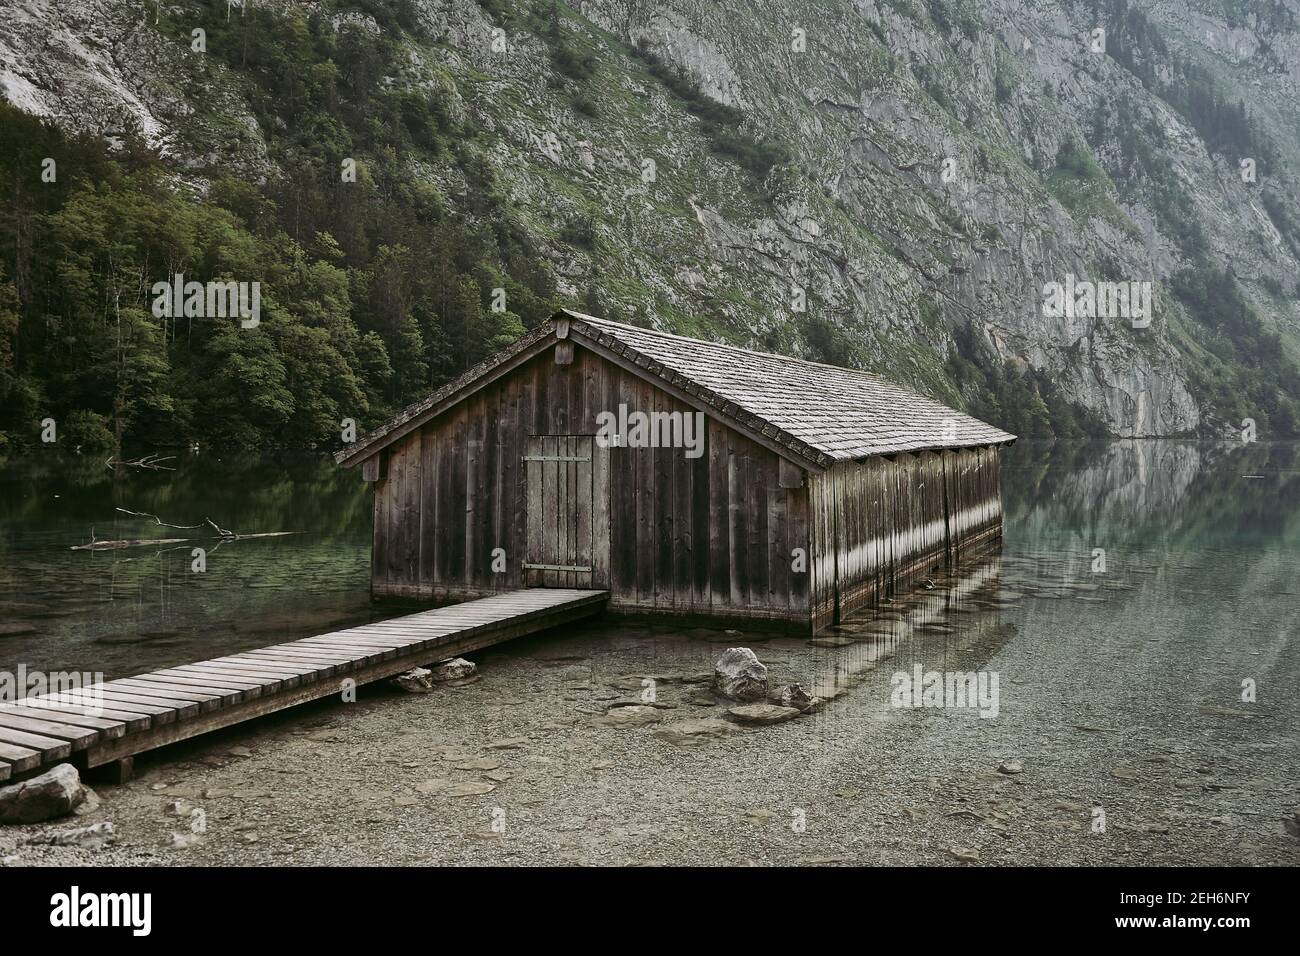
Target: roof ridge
pixel 739 348
pixel 887 417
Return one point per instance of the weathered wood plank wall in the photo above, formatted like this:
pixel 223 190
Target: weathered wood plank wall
pixel 974 499
pixel 881 524
pixel 712 535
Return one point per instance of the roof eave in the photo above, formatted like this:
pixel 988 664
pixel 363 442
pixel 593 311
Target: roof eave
pixel 452 393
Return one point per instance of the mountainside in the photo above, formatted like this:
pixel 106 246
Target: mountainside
pixel 884 184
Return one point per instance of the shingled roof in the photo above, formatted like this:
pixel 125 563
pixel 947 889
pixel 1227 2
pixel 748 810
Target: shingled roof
pixel 817 413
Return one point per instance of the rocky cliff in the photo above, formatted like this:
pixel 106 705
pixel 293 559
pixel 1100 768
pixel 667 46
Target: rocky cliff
pixel 888 183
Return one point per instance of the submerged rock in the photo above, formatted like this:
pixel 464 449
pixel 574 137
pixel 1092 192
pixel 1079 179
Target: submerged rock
pixel 468 788
pixel 455 669
pixel 695 730
pixel 183 841
pixel 416 681
pixel 479 763
pixel 636 716
pixel 699 697
pixel 740 675
pixel 763 713
pixel 90 804
pixel 637 702
pixel 90 838
pixel 53 794
pixel 832 640
pixel 793 695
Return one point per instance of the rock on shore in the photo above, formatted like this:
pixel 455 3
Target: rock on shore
pixel 740 675
pixel 53 794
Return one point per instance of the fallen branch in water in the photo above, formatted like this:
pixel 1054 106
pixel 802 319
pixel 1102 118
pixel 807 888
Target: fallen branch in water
pixel 221 533
pixel 126 543
pixel 148 461
pixel 159 521
pixel 139 542
pixel 207 523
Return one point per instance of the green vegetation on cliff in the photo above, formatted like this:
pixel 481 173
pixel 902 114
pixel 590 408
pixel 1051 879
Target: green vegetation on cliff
pixel 373 291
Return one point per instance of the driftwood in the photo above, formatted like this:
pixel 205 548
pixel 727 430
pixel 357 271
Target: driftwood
pixel 125 543
pixel 222 535
pixel 207 523
pixel 140 542
pixel 148 461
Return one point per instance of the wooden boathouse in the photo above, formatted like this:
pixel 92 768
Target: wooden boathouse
pixel 683 477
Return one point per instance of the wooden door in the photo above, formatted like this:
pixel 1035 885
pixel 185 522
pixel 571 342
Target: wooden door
pixel 561 550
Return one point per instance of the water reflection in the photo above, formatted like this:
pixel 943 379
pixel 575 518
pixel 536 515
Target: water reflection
pixel 1131 572
pixel 138 608
pixel 1181 531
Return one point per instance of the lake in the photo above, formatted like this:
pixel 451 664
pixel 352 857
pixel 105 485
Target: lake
pixel 140 608
pixel 1138 627
pixel 1179 559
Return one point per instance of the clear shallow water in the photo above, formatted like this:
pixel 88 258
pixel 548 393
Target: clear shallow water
pixel 1201 587
pixel 140 608
pixel 1131 572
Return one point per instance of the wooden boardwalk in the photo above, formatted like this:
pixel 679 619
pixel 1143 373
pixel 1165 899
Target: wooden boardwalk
pixel 111 722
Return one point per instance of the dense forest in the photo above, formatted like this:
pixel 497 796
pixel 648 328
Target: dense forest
pixel 372 291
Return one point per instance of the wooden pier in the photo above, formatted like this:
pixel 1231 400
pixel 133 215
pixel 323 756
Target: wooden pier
pixel 111 722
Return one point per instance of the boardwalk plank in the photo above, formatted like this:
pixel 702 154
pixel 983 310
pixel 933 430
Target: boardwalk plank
pixel 111 729
pixel 133 714
pixel 50 748
pixel 159 712
pixel 251 667
pixel 206 671
pixel 206 685
pixel 19 758
pixel 274 682
pixel 324 660
pixel 222 695
pixel 271 669
pixel 230 683
pixel 286 659
pixel 166 694
pixel 304 673
pixel 358 651
pixel 131 720
pixel 79 737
